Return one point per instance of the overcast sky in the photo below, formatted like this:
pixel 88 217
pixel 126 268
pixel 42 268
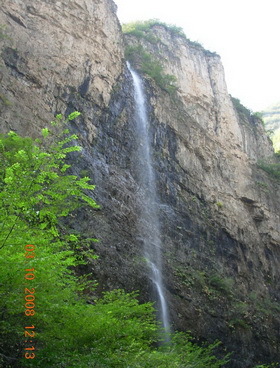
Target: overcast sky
pixel 245 33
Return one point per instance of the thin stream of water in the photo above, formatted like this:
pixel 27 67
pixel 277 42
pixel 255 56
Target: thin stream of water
pixel 149 225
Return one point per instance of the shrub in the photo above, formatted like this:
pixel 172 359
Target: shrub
pixel 273 169
pixel 241 109
pixel 221 284
pixel 142 29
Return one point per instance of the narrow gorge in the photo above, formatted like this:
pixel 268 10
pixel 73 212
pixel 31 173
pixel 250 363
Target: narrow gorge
pixel 187 215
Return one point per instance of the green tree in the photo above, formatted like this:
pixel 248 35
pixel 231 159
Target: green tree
pixel 35 193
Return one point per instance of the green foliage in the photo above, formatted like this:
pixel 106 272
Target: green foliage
pixel 271 116
pixel 259 116
pixel 263 186
pixel 191 278
pixel 35 192
pixel 273 169
pixel 112 331
pixel 73 115
pixel 239 323
pixel 212 284
pixel 265 306
pixel 276 140
pixel 4 100
pixel 145 62
pixel 182 352
pixel 221 284
pixel 143 29
pixel 241 109
pixel 3 34
pixel 108 334
pixel 219 204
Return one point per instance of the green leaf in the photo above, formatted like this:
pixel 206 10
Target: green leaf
pixel 45 132
pixel 73 115
pixel 59 117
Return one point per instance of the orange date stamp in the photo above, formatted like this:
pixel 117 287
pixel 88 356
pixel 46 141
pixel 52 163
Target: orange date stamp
pixel 29 304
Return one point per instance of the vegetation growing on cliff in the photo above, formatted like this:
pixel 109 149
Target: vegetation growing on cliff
pixel 246 113
pixel 148 65
pixel 276 140
pixel 240 108
pixel 144 29
pixel 3 34
pixel 272 168
pixel 271 117
pixel 46 318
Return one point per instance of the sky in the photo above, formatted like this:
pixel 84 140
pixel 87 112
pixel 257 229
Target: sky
pixel 245 33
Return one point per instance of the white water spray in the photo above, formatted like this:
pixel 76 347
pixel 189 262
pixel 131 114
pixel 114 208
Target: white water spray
pixel 149 225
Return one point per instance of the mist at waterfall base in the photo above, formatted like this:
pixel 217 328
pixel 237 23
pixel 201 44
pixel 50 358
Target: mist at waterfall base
pixel 149 225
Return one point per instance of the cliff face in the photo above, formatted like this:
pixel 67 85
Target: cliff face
pixel 219 212
pixel 221 215
pixel 216 146
pixel 56 52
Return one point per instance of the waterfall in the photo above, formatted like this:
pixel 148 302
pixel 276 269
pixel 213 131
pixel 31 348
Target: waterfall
pixel 149 225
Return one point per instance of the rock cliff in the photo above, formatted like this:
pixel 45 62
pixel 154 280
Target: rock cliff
pixel 221 215
pixel 56 51
pixel 219 212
